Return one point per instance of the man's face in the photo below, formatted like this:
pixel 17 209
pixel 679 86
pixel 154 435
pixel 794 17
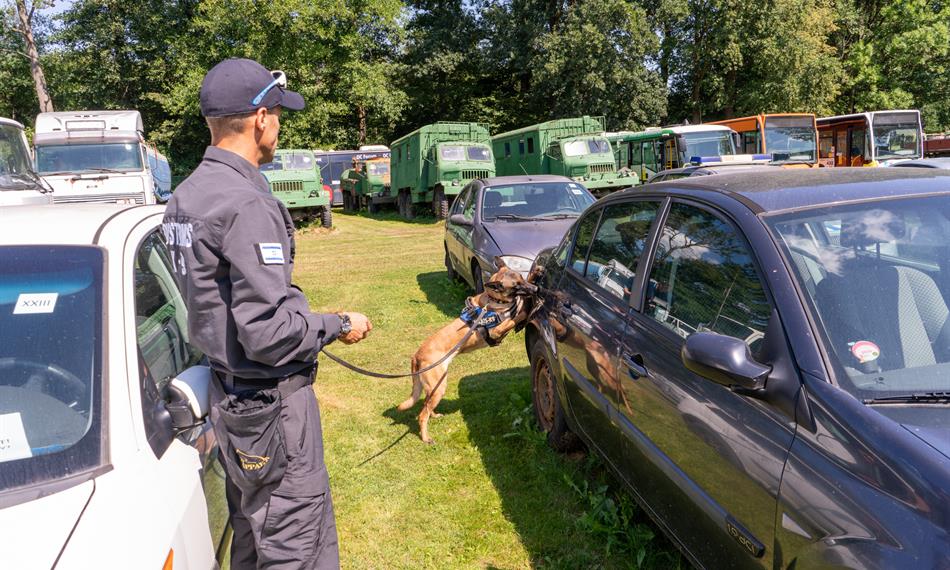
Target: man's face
pixel 267 142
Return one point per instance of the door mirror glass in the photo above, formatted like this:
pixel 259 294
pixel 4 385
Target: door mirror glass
pixel 460 220
pixel 725 360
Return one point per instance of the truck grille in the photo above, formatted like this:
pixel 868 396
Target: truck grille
pixel 601 168
pixel 287 186
pixel 473 174
pixel 92 198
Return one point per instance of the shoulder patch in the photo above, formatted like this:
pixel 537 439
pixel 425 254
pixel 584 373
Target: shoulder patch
pixel 271 253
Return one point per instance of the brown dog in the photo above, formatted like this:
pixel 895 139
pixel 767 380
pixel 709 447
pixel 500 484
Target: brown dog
pixel 506 293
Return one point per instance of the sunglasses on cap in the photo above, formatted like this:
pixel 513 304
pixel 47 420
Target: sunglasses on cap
pixel 280 79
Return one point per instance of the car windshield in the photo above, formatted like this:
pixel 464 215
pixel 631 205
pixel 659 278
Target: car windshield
pixel 708 143
pixel 15 168
pixel 378 168
pixel 69 158
pixel 580 147
pixel 896 135
pixel 50 362
pixel 536 200
pixel 478 153
pixel 790 139
pixel 876 277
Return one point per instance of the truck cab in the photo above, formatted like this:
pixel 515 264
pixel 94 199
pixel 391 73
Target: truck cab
pixel 367 185
pixel 19 184
pixel 100 156
pixel 587 159
pixel 295 180
pixel 458 163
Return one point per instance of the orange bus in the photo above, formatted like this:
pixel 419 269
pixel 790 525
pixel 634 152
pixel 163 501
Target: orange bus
pixel 876 138
pixel 789 138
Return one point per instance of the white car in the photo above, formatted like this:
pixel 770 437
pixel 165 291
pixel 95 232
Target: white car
pixel 106 460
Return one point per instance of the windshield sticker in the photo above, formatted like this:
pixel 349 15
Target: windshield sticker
pixel 35 303
pixel 865 351
pixel 271 253
pixel 13 443
pixel 575 189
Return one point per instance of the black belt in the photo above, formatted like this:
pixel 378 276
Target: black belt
pixel 287 385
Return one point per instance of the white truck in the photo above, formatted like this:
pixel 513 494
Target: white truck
pixel 100 156
pixel 19 184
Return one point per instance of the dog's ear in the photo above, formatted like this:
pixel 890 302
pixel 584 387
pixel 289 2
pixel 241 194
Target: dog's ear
pixel 499 262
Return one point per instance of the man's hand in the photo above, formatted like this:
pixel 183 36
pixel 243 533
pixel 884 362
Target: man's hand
pixel 360 328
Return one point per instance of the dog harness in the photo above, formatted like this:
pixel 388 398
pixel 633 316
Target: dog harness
pixel 485 319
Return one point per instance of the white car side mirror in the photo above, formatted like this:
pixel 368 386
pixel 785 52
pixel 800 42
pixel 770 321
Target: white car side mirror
pixel 189 397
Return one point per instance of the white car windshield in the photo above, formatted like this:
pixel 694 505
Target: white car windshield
pixel 875 275
pixel 15 168
pixel 50 362
pixel 70 158
pixel 533 201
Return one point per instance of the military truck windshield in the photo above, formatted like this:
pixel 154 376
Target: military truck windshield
pixel 478 153
pixel 15 168
pixel 709 143
pixel 588 146
pixel 452 153
pixel 297 161
pixel 70 158
pixel 378 168
pixel 896 135
pixel 790 139
pixel 50 362
pixel 270 166
pixel 534 201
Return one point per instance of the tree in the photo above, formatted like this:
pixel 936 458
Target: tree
pixel 24 26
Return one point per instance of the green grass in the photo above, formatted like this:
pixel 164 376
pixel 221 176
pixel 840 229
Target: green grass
pixel 489 493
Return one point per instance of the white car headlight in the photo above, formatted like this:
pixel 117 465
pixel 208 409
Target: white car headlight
pixel 519 264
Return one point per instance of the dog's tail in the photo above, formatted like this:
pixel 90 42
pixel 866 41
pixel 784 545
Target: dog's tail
pixel 416 388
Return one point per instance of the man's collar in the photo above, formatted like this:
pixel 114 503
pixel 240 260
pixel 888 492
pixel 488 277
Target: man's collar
pixel 238 163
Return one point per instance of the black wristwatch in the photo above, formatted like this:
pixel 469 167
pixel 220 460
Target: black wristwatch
pixel 345 325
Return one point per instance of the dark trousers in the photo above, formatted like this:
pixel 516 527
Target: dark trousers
pixel 294 527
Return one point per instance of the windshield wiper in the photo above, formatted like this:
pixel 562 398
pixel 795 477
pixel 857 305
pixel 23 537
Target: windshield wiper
pixel 516 217
pixel 921 398
pixel 558 216
pixel 109 170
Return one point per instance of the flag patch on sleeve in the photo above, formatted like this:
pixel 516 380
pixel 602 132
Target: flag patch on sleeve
pixel 271 253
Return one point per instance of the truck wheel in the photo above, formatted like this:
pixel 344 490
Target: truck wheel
pixel 406 209
pixel 372 207
pixel 440 205
pixel 546 404
pixel 347 207
pixel 326 217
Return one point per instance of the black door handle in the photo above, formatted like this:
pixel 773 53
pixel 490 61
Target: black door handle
pixel 634 364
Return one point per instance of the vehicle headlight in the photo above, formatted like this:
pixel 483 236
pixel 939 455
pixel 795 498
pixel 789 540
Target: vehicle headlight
pixel 515 263
pixel 455 183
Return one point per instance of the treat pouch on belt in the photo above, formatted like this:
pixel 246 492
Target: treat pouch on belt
pixel 247 425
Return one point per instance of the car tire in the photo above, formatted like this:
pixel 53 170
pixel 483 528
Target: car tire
pixel 547 405
pixel 449 269
pixel 477 281
pixel 326 217
pixel 440 205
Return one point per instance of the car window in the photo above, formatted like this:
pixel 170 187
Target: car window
pixel 161 320
pixel 460 201
pixel 616 248
pixel 585 234
pixel 704 279
pixel 468 211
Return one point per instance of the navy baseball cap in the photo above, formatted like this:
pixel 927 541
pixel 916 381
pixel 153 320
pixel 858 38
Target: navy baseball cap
pixel 241 86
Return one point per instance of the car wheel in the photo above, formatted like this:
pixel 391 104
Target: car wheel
pixel 477 280
pixel 453 274
pixel 547 406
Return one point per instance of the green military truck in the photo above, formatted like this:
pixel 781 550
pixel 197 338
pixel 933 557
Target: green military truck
pixel 572 147
pixel 366 185
pixel 294 179
pixel 432 164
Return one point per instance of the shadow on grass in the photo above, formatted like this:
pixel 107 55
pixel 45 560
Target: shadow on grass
pixel 391 215
pixel 556 502
pixel 447 295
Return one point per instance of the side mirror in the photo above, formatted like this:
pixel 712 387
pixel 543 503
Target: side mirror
pixel 460 220
pixel 724 360
pixel 189 398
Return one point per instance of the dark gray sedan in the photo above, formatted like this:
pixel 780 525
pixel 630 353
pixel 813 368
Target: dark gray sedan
pixel 764 359
pixel 513 217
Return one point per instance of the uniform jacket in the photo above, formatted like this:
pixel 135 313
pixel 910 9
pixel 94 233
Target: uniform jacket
pixel 232 244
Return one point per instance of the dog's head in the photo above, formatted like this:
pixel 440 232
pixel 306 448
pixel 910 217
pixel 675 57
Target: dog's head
pixel 506 284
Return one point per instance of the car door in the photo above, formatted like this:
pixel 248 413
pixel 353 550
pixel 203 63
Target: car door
pixel 597 285
pixel 459 235
pixel 164 351
pixel 707 460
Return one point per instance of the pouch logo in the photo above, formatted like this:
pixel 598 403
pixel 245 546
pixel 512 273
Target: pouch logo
pixel 271 253
pixel 251 462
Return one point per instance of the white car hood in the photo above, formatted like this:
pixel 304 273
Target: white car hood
pixel 35 532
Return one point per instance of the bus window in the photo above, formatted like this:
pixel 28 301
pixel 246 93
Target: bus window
pixel 841 148
pixel 635 160
pixel 650 166
pixel 826 145
pixel 750 142
pixel 858 154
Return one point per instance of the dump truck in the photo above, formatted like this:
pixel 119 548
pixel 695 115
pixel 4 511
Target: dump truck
pixel 367 185
pixel 294 179
pixel 432 164
pixel 573 147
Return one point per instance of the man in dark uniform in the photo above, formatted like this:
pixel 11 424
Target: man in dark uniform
pixel 233 247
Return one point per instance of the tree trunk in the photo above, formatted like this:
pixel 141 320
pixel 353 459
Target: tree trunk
pixel 361 131
pixel 26 30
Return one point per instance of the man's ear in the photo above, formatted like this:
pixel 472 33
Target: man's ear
pixel 260 119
